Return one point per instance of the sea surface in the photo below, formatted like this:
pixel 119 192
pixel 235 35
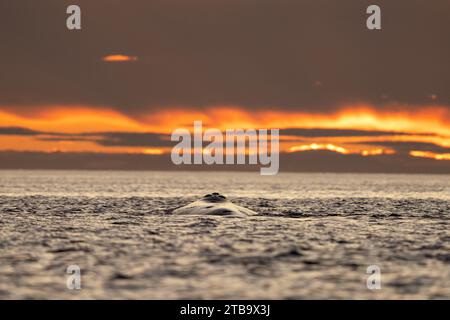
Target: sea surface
pixel 314 236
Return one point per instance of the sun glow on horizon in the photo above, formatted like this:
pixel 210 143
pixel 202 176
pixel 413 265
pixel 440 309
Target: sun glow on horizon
pixel 427 125
pixel 339 149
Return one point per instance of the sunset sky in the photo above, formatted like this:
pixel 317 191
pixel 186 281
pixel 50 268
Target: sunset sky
pixel 140 69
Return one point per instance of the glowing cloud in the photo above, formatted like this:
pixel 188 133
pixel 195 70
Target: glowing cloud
pixel 426 125
pixel 430 155
pixel 339 149
pixel 153 151
pixel 119 58
pixel 315 146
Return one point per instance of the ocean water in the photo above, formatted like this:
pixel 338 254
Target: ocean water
pixel 314 236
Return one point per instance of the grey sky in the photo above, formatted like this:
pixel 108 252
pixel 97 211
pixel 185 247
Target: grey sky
pixel 299 55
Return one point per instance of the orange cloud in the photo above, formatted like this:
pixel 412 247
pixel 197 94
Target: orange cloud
pixel 153 151
pixel 30 143
pixel 119 58
pixel 73 119
pixel 376 152
pixel 430 155
pixel 434 120
pixel 340 149
pixel 430 124
pixel 315 146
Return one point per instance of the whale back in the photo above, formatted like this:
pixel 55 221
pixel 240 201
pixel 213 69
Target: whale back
pixel 213 204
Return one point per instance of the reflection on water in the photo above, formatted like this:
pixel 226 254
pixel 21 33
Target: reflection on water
pixel 314 237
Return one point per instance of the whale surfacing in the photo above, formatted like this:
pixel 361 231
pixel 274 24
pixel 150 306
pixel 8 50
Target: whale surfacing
pixel 214 204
